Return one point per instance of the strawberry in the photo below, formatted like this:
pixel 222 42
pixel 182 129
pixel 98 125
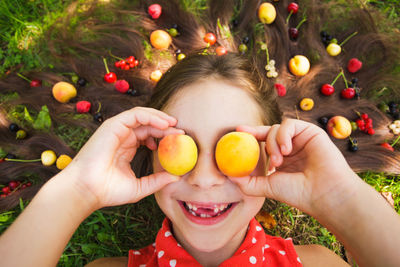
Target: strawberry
pixel 280 89
pixel 83 106
pixel 122 86
pixel 354 65
pixel 154 11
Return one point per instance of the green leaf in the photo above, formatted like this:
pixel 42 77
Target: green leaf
pixel 27 116
pixel 21 204
pixel 3 153
pixel 4 217
pixel 43 120
pixel 86 248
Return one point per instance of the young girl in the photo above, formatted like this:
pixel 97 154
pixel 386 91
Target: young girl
pixel 206 96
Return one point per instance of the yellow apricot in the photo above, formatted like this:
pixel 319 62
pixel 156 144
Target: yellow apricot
pixel 177 153
pixel 63 161
pixel 63 92
pixel 237 154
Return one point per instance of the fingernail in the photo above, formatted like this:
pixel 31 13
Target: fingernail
pixel 283 149
pixel 274 158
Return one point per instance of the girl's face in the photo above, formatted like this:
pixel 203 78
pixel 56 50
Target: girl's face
pixel 206 111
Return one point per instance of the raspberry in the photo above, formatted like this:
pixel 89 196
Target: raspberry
pixel 280 89
pixel 122 86
pixel 354 65
pixel 154 11
pixel 83 106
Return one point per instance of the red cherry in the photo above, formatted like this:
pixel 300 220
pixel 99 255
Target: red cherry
pixel 210 38
pixel 354 65
pixel 387 146
pixel 220 50
pixel 36 83
pixel 293 8
pixel 293 33
pixel 154 11
pixel 110 77
pixel 83 106
pixel 348 93
pixel 327 89
pixel 6 190
pixel 371 131
pixel 280 89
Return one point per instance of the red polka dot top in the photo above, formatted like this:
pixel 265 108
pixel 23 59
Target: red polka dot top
pixel 258 249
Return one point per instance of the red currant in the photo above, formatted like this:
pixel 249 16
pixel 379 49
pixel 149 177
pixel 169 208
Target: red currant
pixel 136 63
pixel 126 67
pixel 131 65
pixel 371 131
pixel 6 190
pixel 364 116
pixel 130 59
pixel 210 38
pixel 117 64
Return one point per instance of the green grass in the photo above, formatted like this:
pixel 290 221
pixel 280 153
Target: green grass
pixel 113 231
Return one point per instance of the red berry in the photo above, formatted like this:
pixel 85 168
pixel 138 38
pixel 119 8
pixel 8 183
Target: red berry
pixel 3 195
pixel 126 67
pixel 327 89
pixel 36 83
pixel 117 64
pixel 130 59
pixel 348 93
pixel 122 86
pixel 293 7
pixel 136 63
pixel 6 190
pixel 280 89
pixel 13 185
pixel 122 63
pixel 387 146
pixel 220 50
pixel 131 65
pixel 155 11
pixel 28 184
pixel 23 186
pixel 360 122
pixel 354 65
pixel 83 106
pixel 364 116
pixel 210 38
pixel 371 131
pixel 1 160
pixel 110 77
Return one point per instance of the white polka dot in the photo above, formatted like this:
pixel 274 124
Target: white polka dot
pixel 142 265
pixel 243 251
pixel 179 245
pixel 298 259
pixel 172 263
pixel 154 244
pixel 253 260
pixel 167 233
pixel 262 249
pixel 254 240
pixel 136 252
pixel 258 228
pixel 263 258
pixel 282 252
pixel 289 238
pixel 266 246
pixel 160 253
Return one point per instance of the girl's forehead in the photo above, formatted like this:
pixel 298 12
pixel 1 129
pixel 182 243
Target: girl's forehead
pixel 213 105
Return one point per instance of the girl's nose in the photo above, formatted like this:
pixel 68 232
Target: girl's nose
pixel 206 173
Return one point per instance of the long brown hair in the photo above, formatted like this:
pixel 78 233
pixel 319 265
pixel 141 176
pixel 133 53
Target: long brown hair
pixel 79 47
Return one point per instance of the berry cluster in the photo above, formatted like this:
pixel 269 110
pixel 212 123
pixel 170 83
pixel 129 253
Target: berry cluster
pixel 271 70
pixel 14 186
pixel 365 124
pixel 127 64
pixel 395 127
pixel 326 38
pixel 353 145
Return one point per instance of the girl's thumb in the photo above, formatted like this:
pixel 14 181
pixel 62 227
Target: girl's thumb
pixel 154 182
pixel 257 186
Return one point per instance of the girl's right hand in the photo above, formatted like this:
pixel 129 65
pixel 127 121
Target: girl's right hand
pixel 101 170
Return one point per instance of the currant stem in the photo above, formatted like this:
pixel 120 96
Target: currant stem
pixel 23 77
pixel 336 78
pixel 345 80
pixel 288 17
pixel 23 160
pixel 105 64
pixel 395 141
pixel 109 51
pixel 267 53
pixel 348 38
pixel 98 110
pixel 301 22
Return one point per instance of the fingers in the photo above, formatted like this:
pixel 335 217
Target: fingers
pixel 259 132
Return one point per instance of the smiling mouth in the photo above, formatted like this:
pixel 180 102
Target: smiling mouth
pixel 206 210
